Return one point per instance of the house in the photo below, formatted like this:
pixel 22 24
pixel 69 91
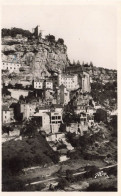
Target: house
pixel 63 95
pixel 7 115
pixel 48 94
pixel 12 66
pixel 80 108
pixel 38 84
pixel 44 120
pixel 69 81
pixel 48 84
pixel 55 120
pixel 90 111
pixel 85 82
pixel 27 110
pixel 83 118
pixel 44 114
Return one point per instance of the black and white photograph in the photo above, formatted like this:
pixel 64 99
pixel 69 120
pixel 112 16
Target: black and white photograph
pixel 59 94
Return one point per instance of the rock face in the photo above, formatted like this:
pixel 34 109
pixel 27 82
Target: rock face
pixel 41 57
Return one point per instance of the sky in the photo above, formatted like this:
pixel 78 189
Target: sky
pixel 89 31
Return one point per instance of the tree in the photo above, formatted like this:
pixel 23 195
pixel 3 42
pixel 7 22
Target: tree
pixel 62 127
pixel 50 38
pixel 18 86
pixel 91 64
pixel 78 62
pixel 60 41
pixel 6 129
pixel 74 63
pixel 14 31
pixel 100 115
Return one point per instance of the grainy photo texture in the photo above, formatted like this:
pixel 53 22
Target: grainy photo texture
pixel 59 98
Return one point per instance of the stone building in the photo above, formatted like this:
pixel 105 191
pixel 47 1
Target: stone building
pixel 63 95
pixel 38 84
pixel 69 81
pixel 7 115
pixel 11 66
pixel 55 120
pixel 27 110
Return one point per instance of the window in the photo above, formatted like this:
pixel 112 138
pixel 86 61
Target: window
pixel 59 121
pixel 53 117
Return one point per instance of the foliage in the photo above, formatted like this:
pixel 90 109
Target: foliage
pixel 100 115
pixel 91 170
pixel 5 91
pixel 18 86
pixel 27 152
pixel 60 41
pixel 9 52
pixel 62 128
pixel 71 118
pixel 13 185
pixel 6 129
pixel 30 128
pixel 50 38
pixel 101 92
pixel 103 184
pixel 14 31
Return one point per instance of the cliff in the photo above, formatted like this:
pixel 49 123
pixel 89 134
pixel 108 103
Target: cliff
pixel 37 57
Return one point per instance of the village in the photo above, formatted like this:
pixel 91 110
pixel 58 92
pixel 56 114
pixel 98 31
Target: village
pixel 60 101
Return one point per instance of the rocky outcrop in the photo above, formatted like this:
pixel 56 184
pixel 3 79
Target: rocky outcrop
pixel 41 57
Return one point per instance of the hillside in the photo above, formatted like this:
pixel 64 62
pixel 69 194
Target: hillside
pixel 32 152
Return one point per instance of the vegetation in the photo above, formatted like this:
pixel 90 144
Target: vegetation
pixel 100 115
pixel 26 153
pixel 14 31
pixel 62 183
pixel 9 52
pixel 50 38
pixel 103 184
pixel 71 118
pixel 101 92
pixel 60 41
pixel 6 129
